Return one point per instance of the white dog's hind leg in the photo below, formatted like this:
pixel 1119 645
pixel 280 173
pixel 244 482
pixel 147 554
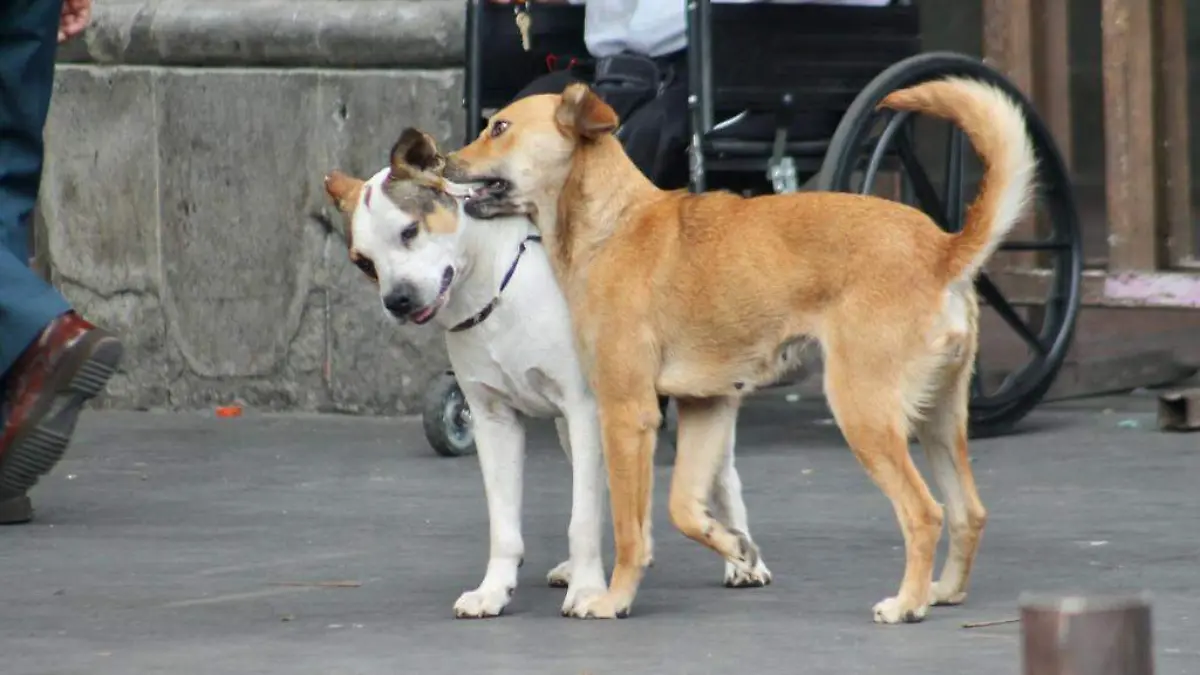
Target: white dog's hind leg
pixel 500 440
pixel 730 508
pixel 587 504
pixel 560 576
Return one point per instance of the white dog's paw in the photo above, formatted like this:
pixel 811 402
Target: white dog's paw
pixel 560 576
pixel 943 595
pixel 893 611
pixel 737 576
pixel 482 602
pixel 580 597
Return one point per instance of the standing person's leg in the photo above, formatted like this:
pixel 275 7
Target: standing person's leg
pixel 51 360
pixel 27 45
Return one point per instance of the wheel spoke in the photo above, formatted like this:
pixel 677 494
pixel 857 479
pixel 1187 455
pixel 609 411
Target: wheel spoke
pixel 1046 245
pixel 954 180
pixel 998 302
pixel 881 148
pixel 922 187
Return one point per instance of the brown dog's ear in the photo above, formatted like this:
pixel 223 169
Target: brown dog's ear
pixel 584 113
pixel 343 190
pixel 415 150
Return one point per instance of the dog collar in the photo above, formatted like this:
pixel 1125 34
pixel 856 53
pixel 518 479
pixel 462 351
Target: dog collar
pixel 484 313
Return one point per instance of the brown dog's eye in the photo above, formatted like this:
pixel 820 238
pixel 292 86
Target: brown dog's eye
pixel 499 127
pixel 409 233
pixel 367 267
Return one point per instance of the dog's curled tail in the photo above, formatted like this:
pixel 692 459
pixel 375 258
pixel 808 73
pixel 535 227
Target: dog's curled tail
pixel 993 122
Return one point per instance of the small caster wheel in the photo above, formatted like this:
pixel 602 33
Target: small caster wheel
pixel 447 418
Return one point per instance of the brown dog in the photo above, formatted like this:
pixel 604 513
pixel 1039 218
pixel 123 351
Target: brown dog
pixel 700 297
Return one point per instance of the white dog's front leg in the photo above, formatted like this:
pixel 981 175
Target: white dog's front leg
pixel 560 575
pixel 500 441
pixel 587 504
pixel 729 507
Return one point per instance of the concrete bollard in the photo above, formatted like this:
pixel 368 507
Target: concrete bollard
pixel 1086 636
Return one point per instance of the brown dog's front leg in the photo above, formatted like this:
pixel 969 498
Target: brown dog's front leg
pixel 629 429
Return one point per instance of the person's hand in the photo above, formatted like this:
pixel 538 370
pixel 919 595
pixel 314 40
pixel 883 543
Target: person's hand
pixel 75 17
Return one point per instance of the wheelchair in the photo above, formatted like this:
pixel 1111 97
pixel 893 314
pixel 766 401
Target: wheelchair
pixel 770 65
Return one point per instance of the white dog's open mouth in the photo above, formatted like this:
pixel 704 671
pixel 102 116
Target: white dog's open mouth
pixel 426 313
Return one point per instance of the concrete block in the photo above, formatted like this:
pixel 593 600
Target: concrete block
pixel 367 111
pixel 99 193
pixel 297 384
pixel 98 220
pixel 238 263
pixel 151 368
pixel 274 33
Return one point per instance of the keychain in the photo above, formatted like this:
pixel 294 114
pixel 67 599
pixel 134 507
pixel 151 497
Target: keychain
pixel 524 21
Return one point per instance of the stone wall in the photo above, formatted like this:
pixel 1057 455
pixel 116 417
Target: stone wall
pixel 187 143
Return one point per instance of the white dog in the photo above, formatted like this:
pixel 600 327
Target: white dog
pixel 490 286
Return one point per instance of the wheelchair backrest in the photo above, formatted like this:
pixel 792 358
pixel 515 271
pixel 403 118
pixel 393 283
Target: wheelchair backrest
pixel 752 56
pixel 497 64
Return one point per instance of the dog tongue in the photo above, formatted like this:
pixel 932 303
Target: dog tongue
pixel 422 315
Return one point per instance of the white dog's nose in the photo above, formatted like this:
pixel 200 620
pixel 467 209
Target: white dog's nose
pixel 400 301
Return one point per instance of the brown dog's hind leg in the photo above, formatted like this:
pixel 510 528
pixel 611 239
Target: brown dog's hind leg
pixel 867 398
pixel 706 427
pixel 943 434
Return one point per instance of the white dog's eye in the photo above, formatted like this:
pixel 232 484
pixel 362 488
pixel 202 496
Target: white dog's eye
pixel 499 127
pixel 409 233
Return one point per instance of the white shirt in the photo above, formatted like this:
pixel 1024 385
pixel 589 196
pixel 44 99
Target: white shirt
pixel 654 27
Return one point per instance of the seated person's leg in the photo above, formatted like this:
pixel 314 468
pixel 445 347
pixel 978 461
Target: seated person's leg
pixel 550 83
pixel 655 137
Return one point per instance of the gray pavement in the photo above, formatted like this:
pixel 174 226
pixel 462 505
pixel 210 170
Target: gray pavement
pixel 162 542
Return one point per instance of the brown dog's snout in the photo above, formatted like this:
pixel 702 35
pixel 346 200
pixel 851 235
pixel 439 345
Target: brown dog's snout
pixel 456 170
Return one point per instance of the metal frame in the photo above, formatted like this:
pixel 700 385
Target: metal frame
pixel 782 156
pixel 472 87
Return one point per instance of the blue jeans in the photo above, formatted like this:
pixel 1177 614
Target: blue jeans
pixel 28 41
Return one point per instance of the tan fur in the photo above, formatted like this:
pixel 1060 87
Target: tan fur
pixel 344 191
pixel 699 296
pixel 441 220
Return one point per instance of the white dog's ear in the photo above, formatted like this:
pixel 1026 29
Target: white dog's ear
pixel 343 190
pixel 415 151
pixel 585 114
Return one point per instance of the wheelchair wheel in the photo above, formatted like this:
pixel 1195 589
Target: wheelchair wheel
pixel 447 418
pixel 868 140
